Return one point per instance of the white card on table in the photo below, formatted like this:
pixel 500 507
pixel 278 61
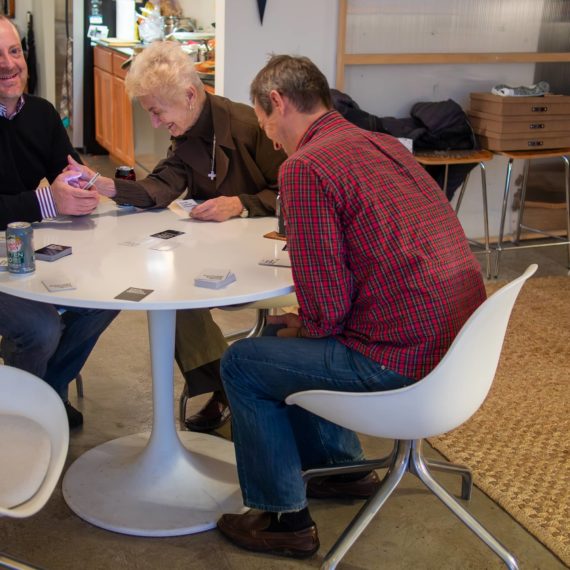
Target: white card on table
pixel 58 283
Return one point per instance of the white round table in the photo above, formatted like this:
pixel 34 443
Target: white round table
pixel 164 483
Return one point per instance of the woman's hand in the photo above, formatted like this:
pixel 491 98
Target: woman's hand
pixel 104 186
pixel 218 209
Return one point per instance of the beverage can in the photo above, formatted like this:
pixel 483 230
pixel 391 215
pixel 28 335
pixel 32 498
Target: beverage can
pixel 125 173
pixel 20 247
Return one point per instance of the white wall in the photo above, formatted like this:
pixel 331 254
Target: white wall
pixel 203 11
pixel 423 26
pixel 44 15
pixel 293 26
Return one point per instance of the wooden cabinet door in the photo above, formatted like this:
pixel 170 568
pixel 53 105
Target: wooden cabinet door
pixel 103 108
pixel 123 145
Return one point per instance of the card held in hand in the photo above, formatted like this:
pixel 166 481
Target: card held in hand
pixel 214 278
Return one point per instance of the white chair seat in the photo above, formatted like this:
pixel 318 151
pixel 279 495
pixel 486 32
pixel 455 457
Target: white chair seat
pixel 25 448
pixel 448 396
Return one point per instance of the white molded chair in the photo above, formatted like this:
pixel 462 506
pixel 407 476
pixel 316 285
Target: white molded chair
pixel 440 402
pixel 34 439
pixel 263 309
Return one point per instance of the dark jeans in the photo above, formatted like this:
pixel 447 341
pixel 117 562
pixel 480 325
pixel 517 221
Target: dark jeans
pixel 274 442
pixel 36 338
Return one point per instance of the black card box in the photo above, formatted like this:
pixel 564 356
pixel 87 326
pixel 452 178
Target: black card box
pixel 52 252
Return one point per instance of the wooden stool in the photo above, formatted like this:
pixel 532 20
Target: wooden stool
pixel 527 156
pixel 451 157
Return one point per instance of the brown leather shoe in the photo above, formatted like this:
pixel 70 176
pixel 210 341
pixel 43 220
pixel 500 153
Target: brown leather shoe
pixel 329 488
pixel 249 531
pixel 212 416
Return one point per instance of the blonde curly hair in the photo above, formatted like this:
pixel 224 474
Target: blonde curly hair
pixel 162 70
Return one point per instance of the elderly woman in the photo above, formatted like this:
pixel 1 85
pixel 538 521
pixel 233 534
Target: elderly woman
pixel 219 153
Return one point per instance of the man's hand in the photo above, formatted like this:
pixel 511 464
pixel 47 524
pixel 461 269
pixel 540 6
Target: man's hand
pixel 293 325
pixel 218 209
pixel 70 200
pixel 105 186
pixel 74 166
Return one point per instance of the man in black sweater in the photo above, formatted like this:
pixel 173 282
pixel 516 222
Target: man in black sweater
pixel 48 341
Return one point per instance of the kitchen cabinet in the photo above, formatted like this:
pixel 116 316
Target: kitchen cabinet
pixel 113 110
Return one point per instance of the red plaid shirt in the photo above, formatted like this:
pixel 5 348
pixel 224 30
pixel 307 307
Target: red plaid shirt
pixel 379 258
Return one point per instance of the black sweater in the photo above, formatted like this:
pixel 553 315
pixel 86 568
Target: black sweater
pixel 33 145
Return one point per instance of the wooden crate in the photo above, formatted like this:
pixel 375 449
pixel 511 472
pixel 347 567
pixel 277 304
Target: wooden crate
pixel 520 123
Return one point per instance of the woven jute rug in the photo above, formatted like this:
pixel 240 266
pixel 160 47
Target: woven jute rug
pixel 518 443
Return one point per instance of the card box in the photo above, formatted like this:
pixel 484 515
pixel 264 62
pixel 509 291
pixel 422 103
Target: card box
pixel 52 252
pixel 214 278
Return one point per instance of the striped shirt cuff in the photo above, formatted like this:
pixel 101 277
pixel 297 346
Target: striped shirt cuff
pixel 46 202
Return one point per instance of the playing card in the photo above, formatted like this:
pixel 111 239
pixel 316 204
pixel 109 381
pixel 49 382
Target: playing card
pixel 187 205
pixel 134 294
pixel 167 234
pixel 58 283
pixel 276 261
pixel 52 252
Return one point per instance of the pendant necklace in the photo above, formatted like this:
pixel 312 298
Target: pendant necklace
pixel 212 174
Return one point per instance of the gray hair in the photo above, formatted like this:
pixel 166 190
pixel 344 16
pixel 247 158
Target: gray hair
pixel 296 78
pixel 163 70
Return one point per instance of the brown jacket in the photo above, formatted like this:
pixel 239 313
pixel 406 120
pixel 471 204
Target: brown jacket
pixel 246 164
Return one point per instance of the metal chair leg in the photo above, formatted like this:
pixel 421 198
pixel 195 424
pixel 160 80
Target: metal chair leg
pixel 182 403
pixel 419 468
pixel 79 385
pixel 260 323
pixel 523 201
pixel 499 246
pixel 567 188
pixel 10 563
pixel 391 480
pixel 466 475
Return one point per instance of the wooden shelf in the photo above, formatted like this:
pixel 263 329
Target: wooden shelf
pixel 346 59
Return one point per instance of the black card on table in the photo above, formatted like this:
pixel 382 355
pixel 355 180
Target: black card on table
pixel 167 234
pixel 134 294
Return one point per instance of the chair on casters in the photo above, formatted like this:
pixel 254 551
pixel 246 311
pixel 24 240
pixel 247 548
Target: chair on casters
pixel 34 438
pixel 263 309
pixel 440 402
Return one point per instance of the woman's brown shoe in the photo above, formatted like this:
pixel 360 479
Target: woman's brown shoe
pixel 212 416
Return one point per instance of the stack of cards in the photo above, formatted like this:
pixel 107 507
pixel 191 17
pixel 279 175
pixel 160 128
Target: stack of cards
pixel 214 278
pixel 52 252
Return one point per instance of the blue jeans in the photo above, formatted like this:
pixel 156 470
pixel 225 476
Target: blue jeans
pixel 275 442
pixel 36 338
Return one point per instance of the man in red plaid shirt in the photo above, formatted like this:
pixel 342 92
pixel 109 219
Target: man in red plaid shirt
pixel 385 280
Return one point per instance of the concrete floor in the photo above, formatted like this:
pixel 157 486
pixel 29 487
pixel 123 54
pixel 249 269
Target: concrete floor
pixel 413 529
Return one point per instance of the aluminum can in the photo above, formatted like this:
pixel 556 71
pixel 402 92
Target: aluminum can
pixel 125 173
pixel 20 247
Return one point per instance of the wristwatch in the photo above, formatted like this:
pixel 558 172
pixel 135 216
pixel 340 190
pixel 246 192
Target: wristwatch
pixel 244 213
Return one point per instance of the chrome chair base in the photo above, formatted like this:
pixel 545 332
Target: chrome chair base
pixel 255 331
pixel 407 456
pixel 8 563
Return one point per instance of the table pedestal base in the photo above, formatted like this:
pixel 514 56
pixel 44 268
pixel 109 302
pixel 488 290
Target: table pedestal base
pixel 121 487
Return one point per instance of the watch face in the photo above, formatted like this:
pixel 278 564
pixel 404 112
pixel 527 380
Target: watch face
pixel 244 213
